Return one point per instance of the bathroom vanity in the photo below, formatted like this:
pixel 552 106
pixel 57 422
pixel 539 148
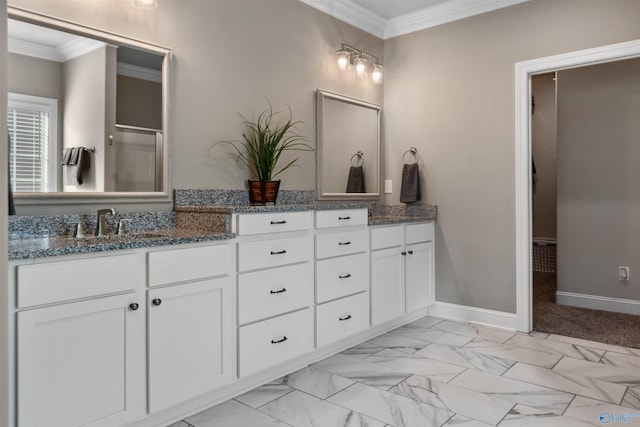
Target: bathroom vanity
pixel 165 326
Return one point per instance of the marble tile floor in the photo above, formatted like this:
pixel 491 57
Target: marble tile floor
pixel 435 372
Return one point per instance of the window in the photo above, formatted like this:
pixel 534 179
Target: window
pixel 31 121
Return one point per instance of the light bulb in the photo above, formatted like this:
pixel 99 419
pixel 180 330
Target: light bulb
pixel 361 66
pixel 343 59
pixel 377 74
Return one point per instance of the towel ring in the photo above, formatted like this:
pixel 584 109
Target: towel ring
pixel 413 151
pixel 358 156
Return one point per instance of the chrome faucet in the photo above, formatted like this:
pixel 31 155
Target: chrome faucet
pixel 102 223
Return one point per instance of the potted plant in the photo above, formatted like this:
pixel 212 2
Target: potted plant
pixel 263 143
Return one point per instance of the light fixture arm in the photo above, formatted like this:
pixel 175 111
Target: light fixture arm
pixel 355 53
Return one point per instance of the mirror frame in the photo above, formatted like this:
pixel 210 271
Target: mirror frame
pixel 321 95
pixel 58 198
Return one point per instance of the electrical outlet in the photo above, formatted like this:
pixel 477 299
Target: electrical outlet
pixel 388 186
pixel 623 274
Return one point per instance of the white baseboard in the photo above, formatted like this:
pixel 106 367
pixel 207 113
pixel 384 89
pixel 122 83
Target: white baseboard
pixel 497 319
pixel 596 302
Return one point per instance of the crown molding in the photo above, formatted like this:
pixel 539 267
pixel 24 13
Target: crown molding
pixel 78 47
pixel 62 53
pixel 139 72
pixel 453 10
pixel 351 13
pixel 441 14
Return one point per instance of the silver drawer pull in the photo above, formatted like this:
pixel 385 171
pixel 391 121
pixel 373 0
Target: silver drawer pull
pixel 278 222
pixel 347 317
pixel 283 339
pixel 346 276
pixel 278 292
pixel 342 218
pixel 344 243
pixel 279 252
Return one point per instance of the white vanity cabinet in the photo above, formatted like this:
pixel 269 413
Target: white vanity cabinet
pixel 342 274
pixel 275 288
pixel 190 327
pixel 81 361
pixel 402 270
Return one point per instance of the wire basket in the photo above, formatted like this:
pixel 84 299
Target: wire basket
pixel 544 256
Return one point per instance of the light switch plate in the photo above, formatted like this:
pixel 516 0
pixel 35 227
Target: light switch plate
pixel 388 186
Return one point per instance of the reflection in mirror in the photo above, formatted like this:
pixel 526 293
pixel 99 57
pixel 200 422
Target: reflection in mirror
pixel 348 148
pixel 86 111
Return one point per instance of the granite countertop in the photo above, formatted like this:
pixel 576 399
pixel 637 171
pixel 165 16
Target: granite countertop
pixel 67 245
pixel 169 229
pixel 387 220
pixel 301 207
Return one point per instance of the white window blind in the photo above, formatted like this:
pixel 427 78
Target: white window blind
pixel 31 123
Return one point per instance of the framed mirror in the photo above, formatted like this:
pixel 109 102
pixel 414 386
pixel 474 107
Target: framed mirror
pixel 348 157
pixel 87 113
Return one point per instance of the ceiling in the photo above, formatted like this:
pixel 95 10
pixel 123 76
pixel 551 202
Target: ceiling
pixel 392 18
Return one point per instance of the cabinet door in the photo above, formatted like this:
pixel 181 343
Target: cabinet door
pixel 419 276
pixel 387 285
pixel 82 363
pixel 190 340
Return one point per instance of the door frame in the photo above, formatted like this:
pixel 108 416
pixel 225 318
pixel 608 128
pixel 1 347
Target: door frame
pixel 523 72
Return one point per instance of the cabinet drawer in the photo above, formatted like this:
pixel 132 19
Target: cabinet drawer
pixel 273 222
pixel 179 265
pixel 387 237
pixel 274 252
pixel 276 340
pixel 341 318
pixel 342 276
pixel 67 280
pixel 344 243
pixel 268 293
pixel 341 218
pixel 415 233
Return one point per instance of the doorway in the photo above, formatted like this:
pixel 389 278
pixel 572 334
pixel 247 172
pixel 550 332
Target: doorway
pixel 524 71
pixel 585 198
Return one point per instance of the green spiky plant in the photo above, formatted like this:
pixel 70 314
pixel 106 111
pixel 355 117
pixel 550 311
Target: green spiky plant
pixel 265 140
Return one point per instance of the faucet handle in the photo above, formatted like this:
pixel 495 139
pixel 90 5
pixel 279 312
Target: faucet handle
pixel 123 227
pixel 80 231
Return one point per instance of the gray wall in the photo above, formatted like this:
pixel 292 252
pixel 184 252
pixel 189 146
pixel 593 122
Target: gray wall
pixel 138 102
pixel 449 91
pixel 85 113
pixel 38 77
pixel 599 179
pixel 543 148
pixel 229 55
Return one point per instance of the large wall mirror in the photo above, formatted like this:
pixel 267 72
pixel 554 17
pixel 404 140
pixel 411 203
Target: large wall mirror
pixel 87 113
pixel 348 134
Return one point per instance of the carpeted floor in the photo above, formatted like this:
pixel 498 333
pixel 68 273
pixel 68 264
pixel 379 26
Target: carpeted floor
pixel 595 325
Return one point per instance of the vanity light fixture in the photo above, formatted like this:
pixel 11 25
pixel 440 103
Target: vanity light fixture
pixel 349 55
pixel 146 4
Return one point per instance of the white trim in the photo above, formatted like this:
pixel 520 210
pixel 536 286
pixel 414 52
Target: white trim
pixel 596 302
pixel 497 319
pixel 523 72
pixel 139 72
pixel 453 10
pixel 351 13
pixel 78 47
pixel 49 105
pixel 443 13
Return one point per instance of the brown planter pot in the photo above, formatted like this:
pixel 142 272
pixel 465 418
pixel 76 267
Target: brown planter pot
pixel 263 192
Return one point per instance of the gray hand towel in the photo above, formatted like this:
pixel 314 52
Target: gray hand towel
pixel 66 156
pixel 355 183
pixel 12 206
pixel 410 190
pixel 84 162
